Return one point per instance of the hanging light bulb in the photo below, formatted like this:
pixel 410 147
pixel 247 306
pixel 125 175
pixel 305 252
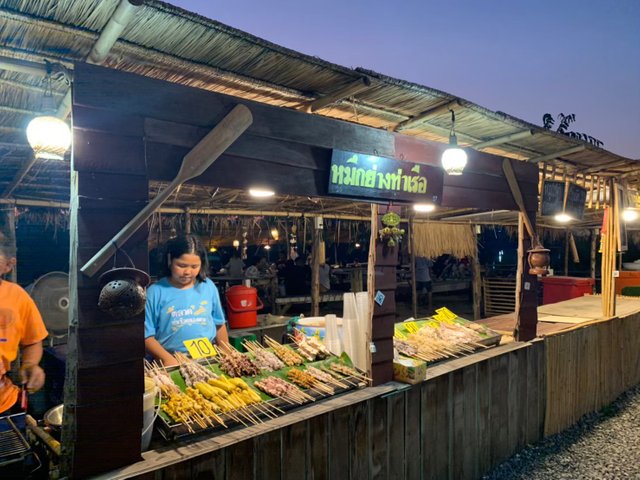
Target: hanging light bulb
pixel 49 136
pixel 275 234
pixel 454 158
pixel 424 207
pixel 629 215
pixel 563 218
pixel 236 243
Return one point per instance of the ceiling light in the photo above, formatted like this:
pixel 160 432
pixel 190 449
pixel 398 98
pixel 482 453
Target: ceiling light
pixel 236 243
pixel 275 234
pixel 261 192
pixel 424 207
pixel 267 247
pixel 357 245
pixel 454 158
pixel 49 136
pixel 629 215
pixel 563 218
pixel 213 249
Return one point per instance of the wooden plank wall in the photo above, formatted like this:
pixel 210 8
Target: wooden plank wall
pixel 457 425
pixel 588 368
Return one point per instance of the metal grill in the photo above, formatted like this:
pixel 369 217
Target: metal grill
pixel 13 445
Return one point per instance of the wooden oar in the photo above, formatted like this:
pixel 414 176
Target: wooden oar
pixel 194 164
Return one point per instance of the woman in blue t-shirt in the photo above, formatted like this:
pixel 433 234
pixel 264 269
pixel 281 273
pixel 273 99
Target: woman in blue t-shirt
pixel 183 305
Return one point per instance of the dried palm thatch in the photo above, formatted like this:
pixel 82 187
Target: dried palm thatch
pixel 432 239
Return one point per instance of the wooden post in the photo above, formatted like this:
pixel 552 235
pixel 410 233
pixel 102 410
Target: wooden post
pixel 315 267
pixel 412 266
pixel 382 278
pixel 477 283
pixel 594 250
pixel 371 283
pixel 566 251
pixel 9 231
pixel 519 267
pixel 187 224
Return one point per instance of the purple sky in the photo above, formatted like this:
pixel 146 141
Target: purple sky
pixel 522 58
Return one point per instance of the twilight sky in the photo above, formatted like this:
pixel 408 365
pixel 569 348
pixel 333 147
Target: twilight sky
pixel 524 58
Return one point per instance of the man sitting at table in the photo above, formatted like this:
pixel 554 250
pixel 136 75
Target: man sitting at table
pixel 235 265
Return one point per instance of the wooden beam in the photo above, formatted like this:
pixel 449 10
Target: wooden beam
pixel 427 114
pixel 561 153
pixel 357 86
pixel 19 177
pixel 504 139
pixel 517 195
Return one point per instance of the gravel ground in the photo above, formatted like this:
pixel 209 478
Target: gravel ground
pixel 602 445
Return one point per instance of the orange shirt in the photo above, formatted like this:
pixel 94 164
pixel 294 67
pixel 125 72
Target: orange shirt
pixel 20 324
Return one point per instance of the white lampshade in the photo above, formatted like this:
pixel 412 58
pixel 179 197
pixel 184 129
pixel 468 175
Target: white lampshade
pixel 49 137
pixel 454 159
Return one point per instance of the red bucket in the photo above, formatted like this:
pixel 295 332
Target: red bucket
pixel 242 306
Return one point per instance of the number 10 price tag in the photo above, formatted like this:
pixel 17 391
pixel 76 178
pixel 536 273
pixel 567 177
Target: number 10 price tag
pixel 200 348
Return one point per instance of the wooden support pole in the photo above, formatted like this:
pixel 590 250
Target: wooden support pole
pixel 527 312
pixel 477 283
pixel 371 285
pixel 412 265
pixel 566 252
pixel 594 250
pixel 11 241
pixel 315 272
pixel 519 266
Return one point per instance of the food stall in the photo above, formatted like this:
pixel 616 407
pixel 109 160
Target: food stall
pixel 477 409
pixel 128 137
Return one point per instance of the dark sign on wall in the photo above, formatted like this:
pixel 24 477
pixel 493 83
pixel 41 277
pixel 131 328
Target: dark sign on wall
pixel 553 199
pixel 359 175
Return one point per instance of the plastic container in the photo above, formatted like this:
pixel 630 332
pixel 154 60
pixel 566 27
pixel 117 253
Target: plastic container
pixel 557 289
pixel 148 411
pixel 627 279
pixel 242 306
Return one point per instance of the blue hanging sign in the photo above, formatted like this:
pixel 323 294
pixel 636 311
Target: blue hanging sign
pixel 369 176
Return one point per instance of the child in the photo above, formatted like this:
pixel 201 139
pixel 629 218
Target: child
pixel 183 305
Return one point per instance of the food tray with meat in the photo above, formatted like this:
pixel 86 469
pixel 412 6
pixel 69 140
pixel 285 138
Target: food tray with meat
pixel 206 399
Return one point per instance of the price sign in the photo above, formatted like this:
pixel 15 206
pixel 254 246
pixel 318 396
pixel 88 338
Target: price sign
pixel 200 348
pixel 447 314
pixel 411 327
pixel 398 334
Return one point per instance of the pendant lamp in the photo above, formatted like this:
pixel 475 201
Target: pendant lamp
pixel 49 136
pixel 454 158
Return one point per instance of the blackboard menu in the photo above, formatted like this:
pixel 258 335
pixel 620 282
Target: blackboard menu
pixel 576 199
pixel 553 199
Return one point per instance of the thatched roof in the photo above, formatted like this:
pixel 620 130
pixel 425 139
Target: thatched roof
pixel 172 44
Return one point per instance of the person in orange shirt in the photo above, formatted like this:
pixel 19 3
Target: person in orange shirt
pixel 21 327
